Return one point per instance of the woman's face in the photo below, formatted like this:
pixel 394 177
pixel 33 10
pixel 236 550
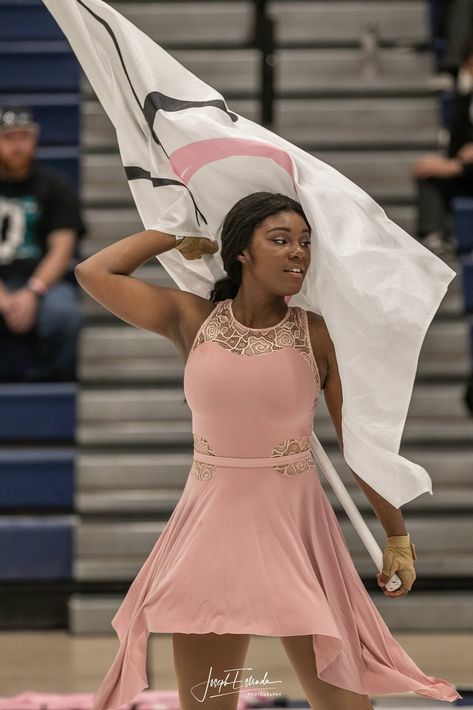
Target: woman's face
pixel 280 242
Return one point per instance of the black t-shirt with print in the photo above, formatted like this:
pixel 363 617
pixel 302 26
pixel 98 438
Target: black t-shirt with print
pixel 29 210
pixel 461 131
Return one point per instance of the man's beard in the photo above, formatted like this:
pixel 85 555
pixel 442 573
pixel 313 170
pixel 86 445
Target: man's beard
pixel 16 166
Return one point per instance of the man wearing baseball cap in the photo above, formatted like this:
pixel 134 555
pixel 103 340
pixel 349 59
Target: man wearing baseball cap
pixel 40 222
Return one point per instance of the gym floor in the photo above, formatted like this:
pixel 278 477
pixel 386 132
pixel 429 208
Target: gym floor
pixel 57 662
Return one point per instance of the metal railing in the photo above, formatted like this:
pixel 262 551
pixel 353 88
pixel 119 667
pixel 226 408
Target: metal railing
pixel 264 40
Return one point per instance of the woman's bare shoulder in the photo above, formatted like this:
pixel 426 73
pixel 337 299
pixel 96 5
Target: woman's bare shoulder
pixel 317 323
pixel 194 310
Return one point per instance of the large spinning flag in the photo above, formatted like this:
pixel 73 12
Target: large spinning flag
pixel 188 158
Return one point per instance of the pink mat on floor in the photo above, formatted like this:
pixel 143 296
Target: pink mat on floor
pixel 147 700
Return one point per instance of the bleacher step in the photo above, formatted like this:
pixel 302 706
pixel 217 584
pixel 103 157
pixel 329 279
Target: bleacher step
pixel 162 501
pixel 385 175
pixel 231 23
pixel 99 472
pixel 143 370
pixel 109 225
pixel 442 338
pixel 313 72
pixel 105 226
pixel 431 612
pixel 355 123
pixel 344 22
pixel 445 536
pixel 430 403
pixel 159 432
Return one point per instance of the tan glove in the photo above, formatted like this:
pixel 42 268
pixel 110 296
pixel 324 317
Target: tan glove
pixel 195 247
pixel 398 557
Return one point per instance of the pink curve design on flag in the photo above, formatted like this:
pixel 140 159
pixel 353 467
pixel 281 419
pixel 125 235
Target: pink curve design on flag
pixel 188 159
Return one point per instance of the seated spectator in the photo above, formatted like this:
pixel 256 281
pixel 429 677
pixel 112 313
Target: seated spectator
pixel 454 22
pixel 440 178
pixel 40 223
pixel 468 394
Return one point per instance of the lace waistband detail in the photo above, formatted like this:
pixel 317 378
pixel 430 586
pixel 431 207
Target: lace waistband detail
pixel 293 455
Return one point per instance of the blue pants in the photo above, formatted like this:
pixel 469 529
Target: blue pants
pixel 52 340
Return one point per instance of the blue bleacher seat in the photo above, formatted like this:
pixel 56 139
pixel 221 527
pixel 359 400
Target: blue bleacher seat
pixel 37 478
pixel 38 411
pixel 27 19
pixel 17 353
pixel 36 547
pixel 38 67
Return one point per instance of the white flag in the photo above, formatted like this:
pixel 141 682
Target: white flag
pixel 188 158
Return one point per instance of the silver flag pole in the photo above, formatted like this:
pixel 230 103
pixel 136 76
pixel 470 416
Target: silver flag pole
pixel 351 510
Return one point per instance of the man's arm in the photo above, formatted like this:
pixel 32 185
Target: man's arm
pixel 458 131
pixel 458 124
pixel 64 227
pixel 54 264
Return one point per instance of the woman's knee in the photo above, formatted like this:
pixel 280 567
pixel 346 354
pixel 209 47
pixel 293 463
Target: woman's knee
pixel 208 668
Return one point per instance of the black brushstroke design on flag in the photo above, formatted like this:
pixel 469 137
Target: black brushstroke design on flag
pixel 134 172
pixel 153 102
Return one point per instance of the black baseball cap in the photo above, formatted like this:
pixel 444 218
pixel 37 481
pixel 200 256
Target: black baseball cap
pixel 17 117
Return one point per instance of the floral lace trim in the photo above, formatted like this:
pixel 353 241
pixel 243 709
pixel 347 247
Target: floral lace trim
pixel 293 446
pixel 221 328
pixel 201 470
pixel 204 471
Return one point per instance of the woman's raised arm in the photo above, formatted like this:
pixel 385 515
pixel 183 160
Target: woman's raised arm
pixel 106 276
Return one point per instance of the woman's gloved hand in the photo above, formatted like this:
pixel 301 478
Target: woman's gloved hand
pixel 195 247
pixel 398 557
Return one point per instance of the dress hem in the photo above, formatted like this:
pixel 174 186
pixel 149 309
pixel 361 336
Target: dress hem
pixel 135 652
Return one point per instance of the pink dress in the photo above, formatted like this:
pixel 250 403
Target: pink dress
pixel 253 545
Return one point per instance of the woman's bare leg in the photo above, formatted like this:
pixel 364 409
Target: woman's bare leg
pixel 320 695
pixel 202 658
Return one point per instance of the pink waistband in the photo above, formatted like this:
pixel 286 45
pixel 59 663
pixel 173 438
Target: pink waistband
pixel 245 462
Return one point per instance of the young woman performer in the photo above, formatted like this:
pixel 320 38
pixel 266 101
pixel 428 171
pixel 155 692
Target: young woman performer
pixel 253 546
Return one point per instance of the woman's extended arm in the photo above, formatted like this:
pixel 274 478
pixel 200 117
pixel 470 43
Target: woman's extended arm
pixel 391 518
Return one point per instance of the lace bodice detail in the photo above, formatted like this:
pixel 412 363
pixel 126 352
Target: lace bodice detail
pixel 288 455
pixel 292 331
